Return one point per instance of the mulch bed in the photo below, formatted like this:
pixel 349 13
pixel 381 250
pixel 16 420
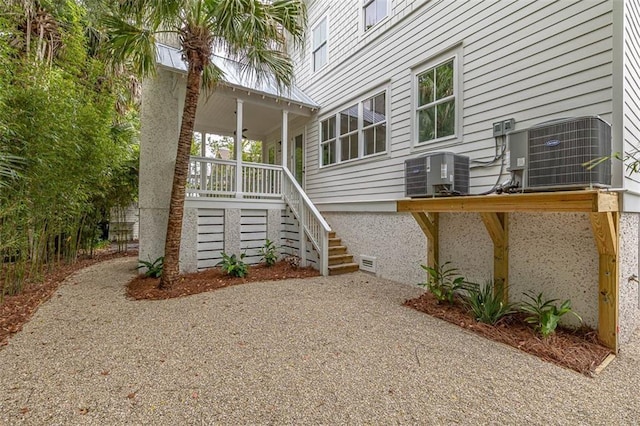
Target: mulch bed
pixel 142 287
pixel 577 350
pixel 16 310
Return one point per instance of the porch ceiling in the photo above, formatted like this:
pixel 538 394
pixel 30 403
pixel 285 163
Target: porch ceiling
pixel 216 114
pixel 263 100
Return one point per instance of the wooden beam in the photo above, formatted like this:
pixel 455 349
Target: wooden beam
pixel 566 201
pixel 428 222
pixel 605 232
pixel 497 225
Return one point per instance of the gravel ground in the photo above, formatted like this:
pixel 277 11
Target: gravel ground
pixel 338 350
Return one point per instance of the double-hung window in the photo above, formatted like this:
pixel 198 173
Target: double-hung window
pixel 358 131
pixel 320 44
pixel 436 102
pixel 374 124
pixel 374 12
pixel 328 140
pixel 349 133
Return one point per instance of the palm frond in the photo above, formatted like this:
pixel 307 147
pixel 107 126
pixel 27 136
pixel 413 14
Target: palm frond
pixel 130 44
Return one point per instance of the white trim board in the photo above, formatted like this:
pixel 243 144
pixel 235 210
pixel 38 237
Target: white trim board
pixel 379 206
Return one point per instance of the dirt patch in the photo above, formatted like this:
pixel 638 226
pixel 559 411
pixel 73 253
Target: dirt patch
pixel 213 279
pixel 16 310
pixel 578 350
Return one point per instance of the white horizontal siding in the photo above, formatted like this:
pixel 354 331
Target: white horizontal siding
pixel 631 129
pixel 528 60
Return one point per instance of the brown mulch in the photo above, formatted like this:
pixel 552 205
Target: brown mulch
pixel 17 310
pixel 142 287
pixel 577 350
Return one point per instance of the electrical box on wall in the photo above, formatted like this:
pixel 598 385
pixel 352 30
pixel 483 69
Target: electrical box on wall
pixel 558 154
pixel 440 173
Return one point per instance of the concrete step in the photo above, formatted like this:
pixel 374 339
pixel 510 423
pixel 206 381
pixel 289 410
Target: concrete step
pixel 337 250
pixel 333 242
pixel 339 259
pixel 345 268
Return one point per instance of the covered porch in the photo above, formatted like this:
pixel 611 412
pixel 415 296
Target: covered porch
pixel 231 205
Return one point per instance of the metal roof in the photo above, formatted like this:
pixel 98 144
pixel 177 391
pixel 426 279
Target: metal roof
pixel 170 57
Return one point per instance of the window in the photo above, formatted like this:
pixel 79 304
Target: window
pixel 436 108
pixel 328 140
pixel 374 124
pixel 374 12
pixel 320 45
pixel 349 133
pixel 361 131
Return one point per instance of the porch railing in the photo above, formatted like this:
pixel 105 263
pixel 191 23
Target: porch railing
pixel 310 219
pixel 210 177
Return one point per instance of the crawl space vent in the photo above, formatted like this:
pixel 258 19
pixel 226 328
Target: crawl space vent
pixel 368 263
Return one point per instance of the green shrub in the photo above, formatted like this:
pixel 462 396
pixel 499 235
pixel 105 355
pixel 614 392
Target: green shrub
pixel 545 315
pixel 442 282
pixel 233 265
pixel 154 269
pixel 486 305
pixel 269 253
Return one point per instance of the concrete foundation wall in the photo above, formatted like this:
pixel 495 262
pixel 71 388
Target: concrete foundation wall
pixel 395 240
pixel 629 314
pixel 158 138
pixel 553 253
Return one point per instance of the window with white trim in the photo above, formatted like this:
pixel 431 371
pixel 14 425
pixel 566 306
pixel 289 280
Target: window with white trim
pixel 320 44
pixel 436 102
pixel 374 12
pixel 358 131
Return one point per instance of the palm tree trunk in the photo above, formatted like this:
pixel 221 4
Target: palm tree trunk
pixel 171 269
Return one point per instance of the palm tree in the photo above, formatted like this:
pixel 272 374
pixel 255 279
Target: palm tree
pixel 253 32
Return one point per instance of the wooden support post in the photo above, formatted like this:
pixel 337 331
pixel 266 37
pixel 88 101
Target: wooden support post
pixel 428 222
pixel 605 231
pixel 497 225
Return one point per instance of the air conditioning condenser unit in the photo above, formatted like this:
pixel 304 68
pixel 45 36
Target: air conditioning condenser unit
pixel 440 173
pixel 562 154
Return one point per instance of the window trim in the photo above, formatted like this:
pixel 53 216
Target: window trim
pixel 325 43
pixel 363 19
pixel 359 101
pixel 435 61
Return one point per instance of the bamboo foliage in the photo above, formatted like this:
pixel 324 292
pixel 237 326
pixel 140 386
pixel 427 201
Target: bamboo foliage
pixel 66 152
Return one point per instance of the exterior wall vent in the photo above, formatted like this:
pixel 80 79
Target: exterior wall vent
pixel 368 263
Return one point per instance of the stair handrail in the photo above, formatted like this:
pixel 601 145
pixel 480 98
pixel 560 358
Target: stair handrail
pixel 323 245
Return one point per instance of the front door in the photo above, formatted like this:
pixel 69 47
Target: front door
pixel 298 159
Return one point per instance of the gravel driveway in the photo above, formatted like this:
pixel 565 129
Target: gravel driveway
pixel 337 350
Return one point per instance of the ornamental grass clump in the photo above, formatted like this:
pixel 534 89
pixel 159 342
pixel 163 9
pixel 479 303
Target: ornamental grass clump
pixel 486 305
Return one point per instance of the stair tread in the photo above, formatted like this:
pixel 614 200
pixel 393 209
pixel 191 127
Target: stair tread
pixel 344 265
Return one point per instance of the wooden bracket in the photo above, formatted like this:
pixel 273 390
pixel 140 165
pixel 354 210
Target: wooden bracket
pixel 605 232
pixel 497 225
pixel 428 222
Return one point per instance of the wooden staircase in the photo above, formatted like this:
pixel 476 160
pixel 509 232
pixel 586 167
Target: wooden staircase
pixel 340 262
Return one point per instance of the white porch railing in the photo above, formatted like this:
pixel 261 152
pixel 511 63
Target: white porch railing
pixel 310 219
pixel 210 177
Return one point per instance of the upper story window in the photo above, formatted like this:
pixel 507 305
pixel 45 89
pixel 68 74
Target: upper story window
pixel 374 12
pixel 320 39
pixel 436 102
pixel 361 131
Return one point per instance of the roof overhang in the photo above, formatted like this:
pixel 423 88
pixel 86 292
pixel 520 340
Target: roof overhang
pixel 236 78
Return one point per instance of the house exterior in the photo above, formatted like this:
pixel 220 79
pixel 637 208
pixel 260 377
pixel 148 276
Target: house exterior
pixel 379 82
